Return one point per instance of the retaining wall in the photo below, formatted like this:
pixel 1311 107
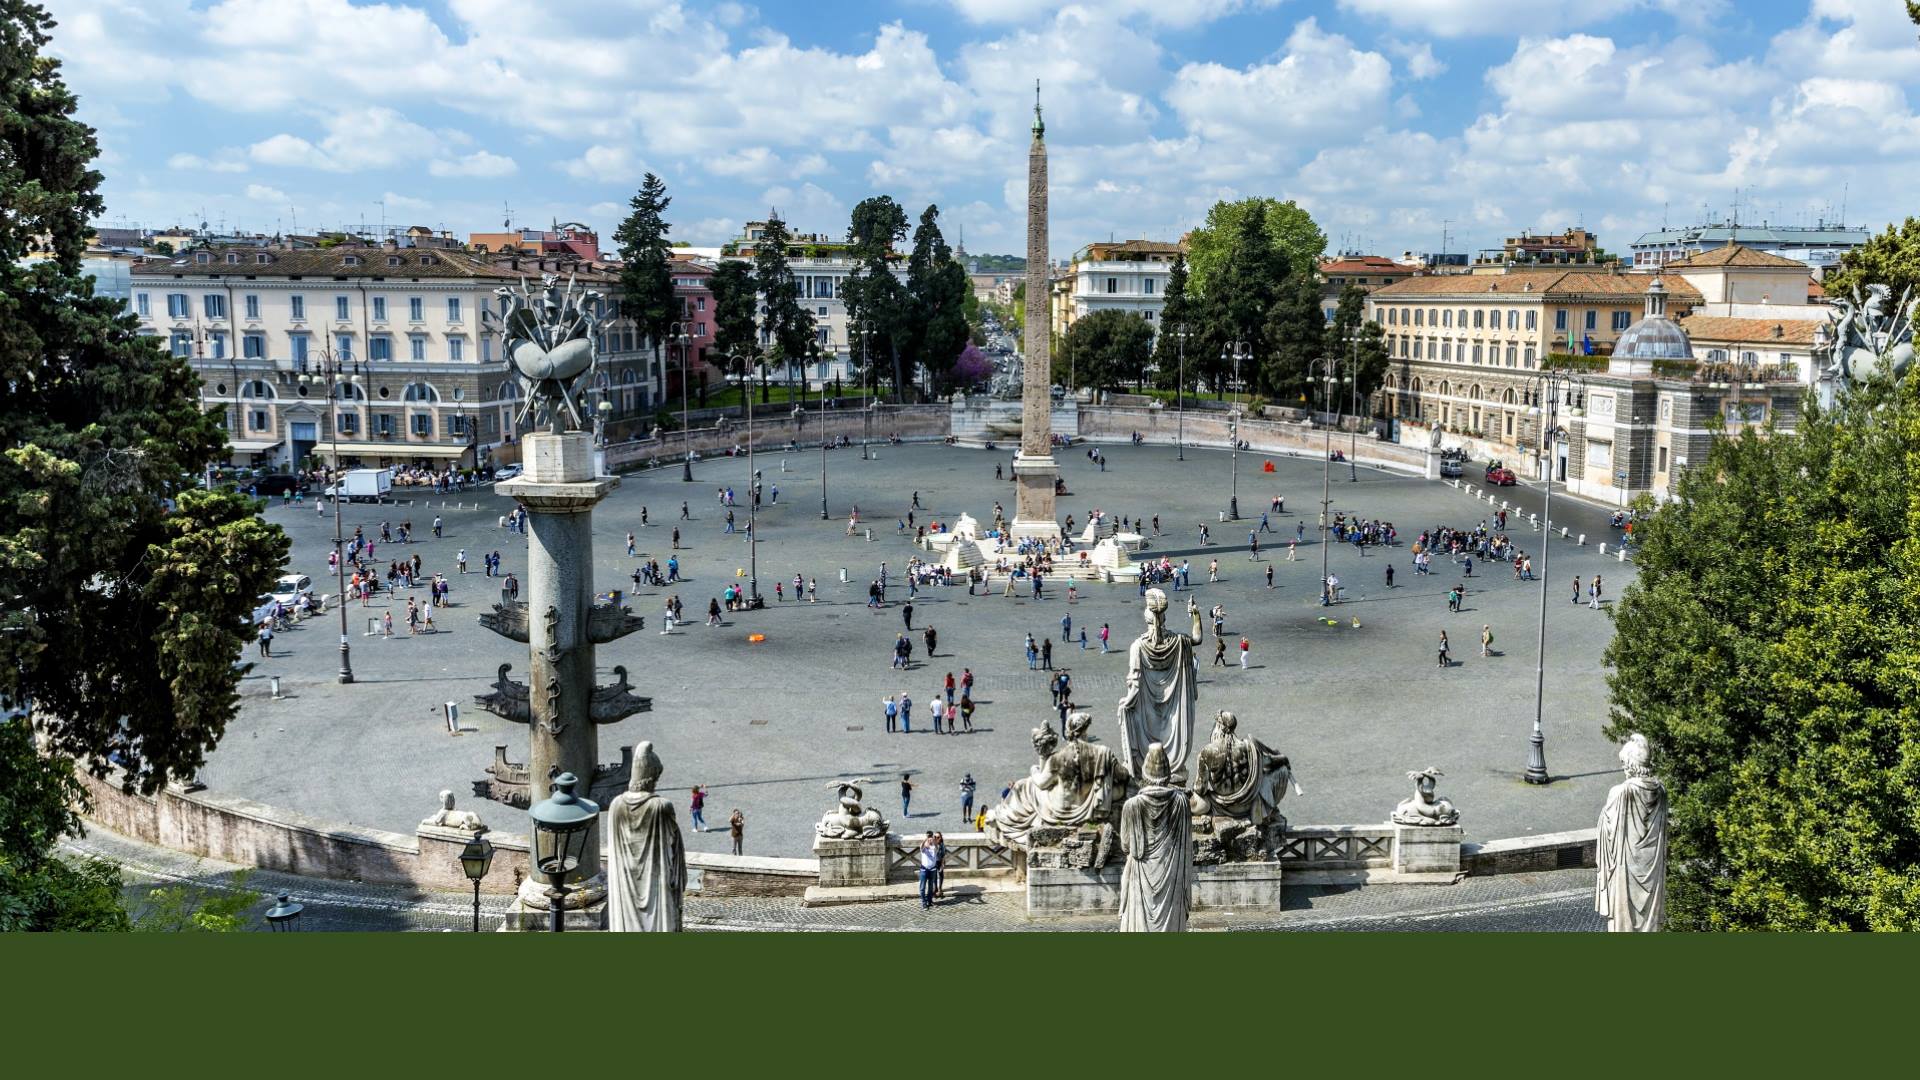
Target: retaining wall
pixel 1162 426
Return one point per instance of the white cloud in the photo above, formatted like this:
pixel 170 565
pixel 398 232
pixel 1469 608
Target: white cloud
pixel 224 161
pixel 1178 13
pixel 607 164
pixel 1873 40
pixel 404 202
pixel 1494 18
pixel 1320 84
pixel 758 163
pixel 479 163
pixel 263 193
pixel 807 208
pixel 1419 58
pixel 369 138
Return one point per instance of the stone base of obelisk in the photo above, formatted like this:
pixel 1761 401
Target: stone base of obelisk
pixel 585 907
pixel 1035 478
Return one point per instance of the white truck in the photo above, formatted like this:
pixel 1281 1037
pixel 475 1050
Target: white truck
pixel 370 485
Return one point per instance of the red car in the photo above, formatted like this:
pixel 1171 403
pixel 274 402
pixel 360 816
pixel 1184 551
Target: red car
pixel 1500 476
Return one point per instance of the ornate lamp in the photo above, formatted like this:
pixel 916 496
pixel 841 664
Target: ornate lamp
pixel 476 859
pixel 561 824
pixel 281 916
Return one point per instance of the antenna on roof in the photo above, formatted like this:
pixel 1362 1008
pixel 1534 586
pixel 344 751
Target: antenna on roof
pixel 507 218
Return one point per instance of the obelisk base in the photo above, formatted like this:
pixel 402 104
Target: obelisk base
pixel 1036 478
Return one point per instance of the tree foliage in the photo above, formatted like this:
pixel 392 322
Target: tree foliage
pixel 1360 343
pixel 1177 326
pixel 938 288
pixel 1107 350
pixel 787 323
pixel 120 622
pixel 40 801
pixel 1289 228
pixel 1891 258
pixel 646 273
pixel 735 332
pixel 1767 653
pixel 1295 336
pixel 197 909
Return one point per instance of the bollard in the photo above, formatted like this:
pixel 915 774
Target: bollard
pixel 1583 540
pixel 1603 547
pixel 453 717
pixel 1621 555
pixel 1533 520
pixel 274 682
pixel 1563 532
pixel 869 536
pixel 843 575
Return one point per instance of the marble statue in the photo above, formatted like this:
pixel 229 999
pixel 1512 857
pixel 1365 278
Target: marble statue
pixel 1011 822
pixel 1630 890
pixel 1158 705
pixel 1156 829
pixel 549 337
pixel 850 820
pixel 1864 339
pixel 448 818
pixel 647 863
pixel 1082 783
pixel 1424 807
pixel 1239 776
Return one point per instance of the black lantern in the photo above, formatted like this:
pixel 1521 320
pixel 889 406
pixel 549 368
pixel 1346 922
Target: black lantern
pixel 561 824
pixel 476 859
pixel 282 916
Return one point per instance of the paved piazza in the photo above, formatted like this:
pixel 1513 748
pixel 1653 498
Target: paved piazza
pixel 765 726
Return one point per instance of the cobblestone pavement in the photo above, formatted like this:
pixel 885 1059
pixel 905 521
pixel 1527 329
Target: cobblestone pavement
pixel 765 726
pixel 1560 900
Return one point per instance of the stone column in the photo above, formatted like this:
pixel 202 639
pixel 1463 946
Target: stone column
pixel 1034 469
pixel 559 490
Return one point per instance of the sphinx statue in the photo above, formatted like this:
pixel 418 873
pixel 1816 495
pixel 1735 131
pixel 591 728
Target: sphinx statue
pixel 647 858
pixel 1239 776
pixel 1156 829
pixel 850 820
pixel 1424 807
pixel 1630 889
pixel 448 818
pixel 1158 705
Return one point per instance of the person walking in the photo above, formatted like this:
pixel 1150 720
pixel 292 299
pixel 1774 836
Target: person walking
pixel 939 711
pixel 891 709
pixel 932 638
pixel 1219 652
pixel 684 515
pixel 737 826
pixel 1576 588
pixel 676 538
pixel 1453 599
pixel 1293 552
pixel 1083 639
pixel 1046 655
pixel 966 682
pixel 1596 591
pixel 967 788
pixel 460 560
pixel 1105 630
pixel 630 550
pixel 1246 647
pixel 906 796
pixel 713 611
pixel 1486 640
pixel 1389 575
pixel 906 715
pixel 906 613
pixel 386 625
pixel 1269 575
pixel 1213 571
pixel 266 637
pixel 1066 627
pixel 697 807
pixel 436 528
pixel 966 712
pixel 1033 654
pixel 1253 547
pixel 813 590
pixel 948 687
pixel 1444 661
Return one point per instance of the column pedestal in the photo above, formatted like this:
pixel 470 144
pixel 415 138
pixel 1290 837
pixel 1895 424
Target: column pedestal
pixel 1035 477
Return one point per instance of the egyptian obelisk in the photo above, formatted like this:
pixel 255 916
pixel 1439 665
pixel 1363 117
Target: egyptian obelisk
pixel 1034 469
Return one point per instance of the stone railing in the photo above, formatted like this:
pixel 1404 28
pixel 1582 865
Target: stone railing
pixel 911 423
pixel 1162 427
pixel 968 855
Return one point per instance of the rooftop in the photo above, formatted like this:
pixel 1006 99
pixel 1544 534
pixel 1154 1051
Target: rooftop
pixel 1776 331
pixel 1558 284
pixel 1732 254
pixel 332 262
pixel 1770 235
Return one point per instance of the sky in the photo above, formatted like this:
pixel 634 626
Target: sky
pixel 1400 124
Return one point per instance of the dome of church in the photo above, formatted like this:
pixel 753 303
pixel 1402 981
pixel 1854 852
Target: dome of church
pixel 1654 337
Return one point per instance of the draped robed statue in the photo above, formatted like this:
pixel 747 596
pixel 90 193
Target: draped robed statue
pixel 1630 889
pixel 1162 680
pixel 647 875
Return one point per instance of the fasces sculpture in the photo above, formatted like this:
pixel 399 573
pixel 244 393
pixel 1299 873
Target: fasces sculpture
pixel 1424 807
pixel 448 818
pixel 1158 705
pixel 1630 890
pixel 1156 829
pixel 1013 821
pixel 1865 339
pixel 1238 776
pixel 850 820
pixel 647 859
pixel 548 333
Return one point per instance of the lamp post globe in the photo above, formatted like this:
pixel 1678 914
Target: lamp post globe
pixel 282 916
pixel 562 822
pixel 476 859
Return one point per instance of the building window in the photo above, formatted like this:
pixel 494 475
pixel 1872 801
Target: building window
pixel 821 311
pixel 1533 320
pixel 346 423
pixel 486 350
pixel 253 306
pixel 1463 318
pixel 343 346
pixel 1148 286
pixel 219 343
pixel 453 309
pixel 297 306
pixel 177 306
pixel 1493 319
pixel 1621 320
pixel 181 344
pixel 1559 319
pixel 383 423
pixel 1593 319
pixel 257 419
pixel 1446 350
pixel 1479 318
pixel 1660 459
pixel 1599 455
pixel 1526 358
pixel 1419 317
pixel 299 345
pixel 416 347
pixel 253 346
pixel 340 308
pixel 1446 318
pixel 1113 285
pixel 140 304
pixel 700 303
pixel 1509 356
pixel 379 347
pixel 414 308
pixel 379 309
pixel 1513 320
pixel 422 423
pixel 456 349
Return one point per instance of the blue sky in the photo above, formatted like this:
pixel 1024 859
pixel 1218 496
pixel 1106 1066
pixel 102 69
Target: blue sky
pixel 1391 120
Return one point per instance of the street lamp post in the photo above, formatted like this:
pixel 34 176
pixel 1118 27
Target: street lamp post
pixel 1552 387
pixel 823 446
pixel 1353 403
pixel 1180 396
pixel 753 497
pixel 334 369
pixel 1235 351
pixel 1327 366
pixel 686 371
pixel 866 397
pixel 562 822
pixel 476 859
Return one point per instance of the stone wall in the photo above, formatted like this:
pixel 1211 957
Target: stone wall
pixel 747 875
pixel 1161 426
pixel 914 423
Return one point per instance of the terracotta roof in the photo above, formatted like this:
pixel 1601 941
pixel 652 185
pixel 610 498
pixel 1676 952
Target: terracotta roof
pixel 327 263
pixel 1762 331
pixel 1733 255
pixel 1364 264
pixel 1558 284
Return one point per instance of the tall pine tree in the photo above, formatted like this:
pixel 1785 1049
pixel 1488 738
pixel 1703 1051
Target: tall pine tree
pixel 787 323
pixel 646 276
pixel 876 300
pixel 121 620
pixel 1176 327
pixel 938 287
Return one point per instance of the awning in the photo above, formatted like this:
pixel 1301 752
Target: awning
pixel 393 449
pixel 253 446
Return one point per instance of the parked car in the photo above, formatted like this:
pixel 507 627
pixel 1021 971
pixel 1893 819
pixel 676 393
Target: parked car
pixel 290 587
pixel 1500 476
pixel 264 606
pixel 507 472
pixel 275 484
pixel 1450 468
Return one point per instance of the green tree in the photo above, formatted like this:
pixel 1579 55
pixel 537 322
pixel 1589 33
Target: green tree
pixel 40 802
pixel 646 273
pixel 1247 282
pixel 1106 350
pixel 1296 336
pixel 1177 318
pixel 787 323
pixel 938 287
pixel 1766 651
pixel 735 332
pixel 1357 341
pixel 163 247
pixel 120 621
pixel 876 300
pixel 1290 228
pixel 196 909
pixel 1892 259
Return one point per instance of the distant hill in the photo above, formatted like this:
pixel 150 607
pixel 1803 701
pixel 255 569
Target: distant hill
pixel 999 264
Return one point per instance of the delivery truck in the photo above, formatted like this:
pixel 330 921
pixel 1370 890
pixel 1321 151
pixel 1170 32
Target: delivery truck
pixel 362 485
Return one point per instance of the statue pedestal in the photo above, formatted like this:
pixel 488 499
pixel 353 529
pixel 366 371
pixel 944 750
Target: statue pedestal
pixel 586 907
pixel 851 863
pixel 1237 886
pixel 1426 851
pixel 1034 514
pixel 1065 890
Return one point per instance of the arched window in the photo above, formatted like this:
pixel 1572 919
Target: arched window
pixel 350 392
pixel 420 392
pixel 1416 386
pixel 1446 388
pixel 257 389
pixel 1473 393
pixel 1508 396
